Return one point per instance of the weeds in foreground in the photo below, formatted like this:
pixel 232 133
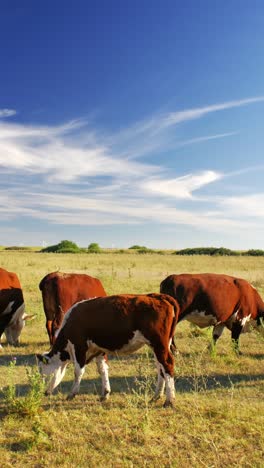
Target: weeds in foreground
pixel 30 404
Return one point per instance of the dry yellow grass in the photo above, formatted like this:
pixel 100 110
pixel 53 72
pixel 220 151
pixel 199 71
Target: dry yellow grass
pixel 219 416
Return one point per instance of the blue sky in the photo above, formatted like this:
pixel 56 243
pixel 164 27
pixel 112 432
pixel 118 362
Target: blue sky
pixel 132 122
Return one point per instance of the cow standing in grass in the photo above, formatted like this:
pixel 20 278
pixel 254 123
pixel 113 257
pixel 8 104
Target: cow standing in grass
pixel 12 307
pixel 60 291
pixel 218 300
pixel 115 324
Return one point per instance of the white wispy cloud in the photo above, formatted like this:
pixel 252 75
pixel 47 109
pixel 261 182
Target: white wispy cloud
pixel 196 113
pixel 181 187
pixel 153 133
pixel 7 113
pixel 84 177
pixel 202 139
pixel 84 211
pixel 56 154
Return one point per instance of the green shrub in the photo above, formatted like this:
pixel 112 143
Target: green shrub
pixel 144 250
pixel 254 252
pixel 17 247
pixel 94 248
pixel 65 246
pixel 30 404
pixel 213 251
pixel 137 247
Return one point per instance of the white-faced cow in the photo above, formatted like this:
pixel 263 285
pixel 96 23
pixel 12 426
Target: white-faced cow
pixel 60 291
pixel 114 324
pixel 218 300
pixel 12 307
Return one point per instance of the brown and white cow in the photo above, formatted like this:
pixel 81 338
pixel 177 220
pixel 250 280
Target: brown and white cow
pixel 219 300
pixel 12 307
pixel 60 291
pixel 114 324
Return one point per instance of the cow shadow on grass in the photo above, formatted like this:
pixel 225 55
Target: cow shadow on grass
pixel 136 384
pixel 255 356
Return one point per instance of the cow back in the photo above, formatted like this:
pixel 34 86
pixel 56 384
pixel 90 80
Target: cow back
pixel 61 290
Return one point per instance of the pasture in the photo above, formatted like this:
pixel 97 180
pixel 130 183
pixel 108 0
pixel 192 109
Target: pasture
pixel 218 419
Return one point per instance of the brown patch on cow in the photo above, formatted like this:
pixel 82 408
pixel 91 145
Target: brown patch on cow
pixel 230 300
pixel 60 291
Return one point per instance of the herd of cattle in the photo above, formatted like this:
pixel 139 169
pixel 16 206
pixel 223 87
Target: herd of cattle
pixel 84 323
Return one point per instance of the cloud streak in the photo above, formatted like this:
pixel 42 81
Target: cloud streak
pixel 190 114
pixel 7 113
pixel 181 187
pixel 81 177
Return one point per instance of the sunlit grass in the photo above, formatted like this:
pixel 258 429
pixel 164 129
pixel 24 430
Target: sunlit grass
pixel 219 416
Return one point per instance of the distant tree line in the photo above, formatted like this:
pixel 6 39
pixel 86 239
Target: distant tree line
pixel 218 251
pixel 66 246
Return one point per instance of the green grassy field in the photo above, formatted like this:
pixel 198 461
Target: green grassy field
pixel 218 420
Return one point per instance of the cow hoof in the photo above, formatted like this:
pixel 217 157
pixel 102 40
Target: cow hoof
pixel 168 404
pixel 71 396
pixel 46 393
pixel 105 397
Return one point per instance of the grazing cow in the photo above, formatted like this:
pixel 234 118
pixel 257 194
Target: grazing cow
pixel 60 291
pixel 12 307
pixel 218 300
pixel 114 324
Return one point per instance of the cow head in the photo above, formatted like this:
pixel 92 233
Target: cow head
pixel 48 364
pixel 14 329
pixel 52 364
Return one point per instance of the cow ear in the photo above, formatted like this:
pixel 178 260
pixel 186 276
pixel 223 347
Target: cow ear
pixel 29 317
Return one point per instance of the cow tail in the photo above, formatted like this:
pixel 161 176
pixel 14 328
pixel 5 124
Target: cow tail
pixel 176 309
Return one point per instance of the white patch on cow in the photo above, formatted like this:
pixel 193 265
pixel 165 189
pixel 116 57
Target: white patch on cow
pixel 8 309
pixel 170 387
pixel 102 368
pixel 135 343
pixel 18 314
pixel 14 328
pixel 201 319
pixel 229 323
pixel 245 320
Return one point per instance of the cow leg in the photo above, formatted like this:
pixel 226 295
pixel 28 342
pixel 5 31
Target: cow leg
pixel 57 377
pixel 78 373
pixel 49 330
pixel 160 382
pixel 173 347
pixel 102 368
pixel 217 332
pixel 235 334
pixel 166 362
pixel 2 329
pixel 79 360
